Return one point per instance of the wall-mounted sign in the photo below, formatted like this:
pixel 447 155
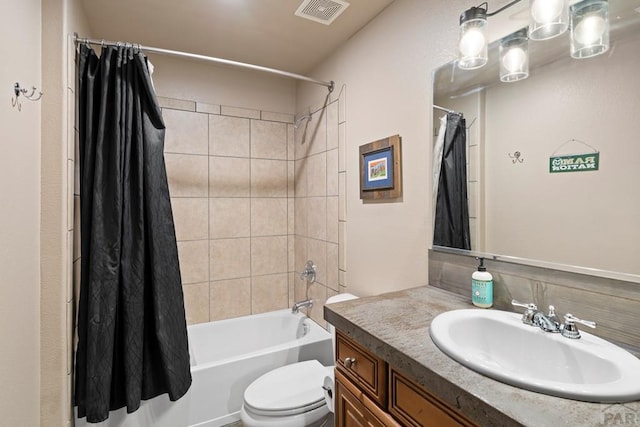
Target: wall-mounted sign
pixel 574 163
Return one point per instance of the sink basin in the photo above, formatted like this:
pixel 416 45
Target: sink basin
pixel 497 344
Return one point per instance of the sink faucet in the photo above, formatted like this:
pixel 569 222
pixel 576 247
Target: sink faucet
pixel 549 322
pixel 297 306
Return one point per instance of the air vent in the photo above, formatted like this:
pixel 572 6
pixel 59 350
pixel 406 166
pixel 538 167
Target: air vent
pixel 322 11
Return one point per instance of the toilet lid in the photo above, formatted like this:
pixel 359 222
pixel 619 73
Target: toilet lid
pixel 288 390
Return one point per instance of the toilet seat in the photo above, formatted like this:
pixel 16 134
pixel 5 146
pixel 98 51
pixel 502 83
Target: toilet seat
pixel 288 390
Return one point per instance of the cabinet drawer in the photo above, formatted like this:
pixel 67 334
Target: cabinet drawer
pixel 355 409
pixel 368 371
pixel 413 406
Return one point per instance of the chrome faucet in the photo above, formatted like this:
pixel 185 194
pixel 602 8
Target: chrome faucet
pixel 549 322
pixel 297 306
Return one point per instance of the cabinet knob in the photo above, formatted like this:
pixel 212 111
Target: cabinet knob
pixel 349 362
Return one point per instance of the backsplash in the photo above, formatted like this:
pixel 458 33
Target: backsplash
pixel 613 304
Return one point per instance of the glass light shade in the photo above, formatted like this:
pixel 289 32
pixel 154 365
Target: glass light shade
pixel 589 28
pixel 514 57
pixel 548 18
pixel 472 46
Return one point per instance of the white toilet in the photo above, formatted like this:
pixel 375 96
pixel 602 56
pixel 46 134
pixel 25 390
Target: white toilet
pixel 292 395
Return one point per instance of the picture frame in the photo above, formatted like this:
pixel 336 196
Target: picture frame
pixel 381 169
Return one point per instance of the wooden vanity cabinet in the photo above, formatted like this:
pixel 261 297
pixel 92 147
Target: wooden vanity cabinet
pixel 371 393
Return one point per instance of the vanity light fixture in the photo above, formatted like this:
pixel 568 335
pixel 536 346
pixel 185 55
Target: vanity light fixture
pixel 548 18
pixel 589 28
pixel 514 56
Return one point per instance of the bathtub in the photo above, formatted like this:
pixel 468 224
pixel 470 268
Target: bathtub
pixel 227 356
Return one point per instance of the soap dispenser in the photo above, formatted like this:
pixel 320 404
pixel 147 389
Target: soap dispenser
pixel 482 287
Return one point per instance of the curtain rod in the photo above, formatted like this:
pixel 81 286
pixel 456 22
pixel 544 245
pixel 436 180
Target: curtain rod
pixel 330 85
pixel 444 109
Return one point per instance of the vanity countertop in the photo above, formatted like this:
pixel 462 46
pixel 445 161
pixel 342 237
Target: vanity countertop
pixel 395 326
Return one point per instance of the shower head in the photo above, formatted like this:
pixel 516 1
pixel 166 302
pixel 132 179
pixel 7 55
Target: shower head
pixel 298 121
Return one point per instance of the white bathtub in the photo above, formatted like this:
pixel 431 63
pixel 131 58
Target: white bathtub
pixel 227 356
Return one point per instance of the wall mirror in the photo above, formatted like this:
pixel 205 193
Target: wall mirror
pixel 517 206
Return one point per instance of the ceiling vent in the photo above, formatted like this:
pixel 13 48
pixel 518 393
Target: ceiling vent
pixel 322 11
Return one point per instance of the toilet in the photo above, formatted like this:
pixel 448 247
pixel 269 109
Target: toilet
pixel 292 395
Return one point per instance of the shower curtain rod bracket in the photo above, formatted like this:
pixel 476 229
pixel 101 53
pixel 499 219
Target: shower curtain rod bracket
pixel 329 85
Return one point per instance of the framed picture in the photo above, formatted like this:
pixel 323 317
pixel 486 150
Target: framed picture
pixel 380 169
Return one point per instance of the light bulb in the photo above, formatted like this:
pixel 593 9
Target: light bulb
pixel 544 11
pixel 472 43
pixel 514 59
pixel 589 30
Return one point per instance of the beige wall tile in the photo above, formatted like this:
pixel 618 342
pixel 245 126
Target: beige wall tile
pixel 229 217
pixel 186 132
pixel 196 302
pixel 194 261
pixel 229 177
pixel 318 128
pixel 342 188
pixel 342 248
pixel 190 216
pixel 268 140
pixel 176 104
pixel 300 178
pixel 300 289
pixel 187 175
pixel 332 219
pixel 302 253
pixel 300 224
pixel 291 215
pixel 269 293
pixel 291 253
pixel 276 117
pixel 332 172
pixel 230 298
pixel 268 178
pixel 291 144
pixel 292 289
pixel 318 254
pixel 291 182
pixel 332 126
pixel 317 175
pixel 332 266
pixel 318 293
pixel 317 217
pixel 342 147
pixel 268 255
pixel 230 258
pixel 342 278
pixel 203 107
pixel 229 136
pixel 269 216
pixel 239 112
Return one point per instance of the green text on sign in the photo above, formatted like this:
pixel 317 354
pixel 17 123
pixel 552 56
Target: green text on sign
pixel 574 163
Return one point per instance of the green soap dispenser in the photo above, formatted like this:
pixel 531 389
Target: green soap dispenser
pixel 482 287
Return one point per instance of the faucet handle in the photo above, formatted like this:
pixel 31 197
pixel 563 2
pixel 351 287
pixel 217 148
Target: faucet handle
pixel 570 330
pixel 527 316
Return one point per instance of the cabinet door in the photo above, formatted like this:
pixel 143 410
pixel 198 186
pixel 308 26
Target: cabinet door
pixel 354 409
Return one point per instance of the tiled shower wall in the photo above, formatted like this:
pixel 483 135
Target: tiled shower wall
pixel 253 198
pixel 320 203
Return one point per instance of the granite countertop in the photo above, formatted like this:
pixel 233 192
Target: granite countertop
pixel 395 327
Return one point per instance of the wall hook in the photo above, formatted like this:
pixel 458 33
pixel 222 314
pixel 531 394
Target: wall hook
pixel 31 96
pixel 516 157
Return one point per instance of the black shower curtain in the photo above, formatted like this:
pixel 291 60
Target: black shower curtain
pixel 132 336
pixel 451 227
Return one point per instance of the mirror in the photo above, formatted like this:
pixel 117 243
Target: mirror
pixel 520 207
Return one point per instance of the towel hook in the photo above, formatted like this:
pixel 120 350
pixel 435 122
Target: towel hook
pixel 31 96
pixel 516 157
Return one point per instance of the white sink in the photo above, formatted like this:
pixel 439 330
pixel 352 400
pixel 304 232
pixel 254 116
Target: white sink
pixel 497 344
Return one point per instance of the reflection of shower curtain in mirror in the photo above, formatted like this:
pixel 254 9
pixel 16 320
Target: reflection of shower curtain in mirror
pixel 451 227
pixel 132 332
pixel 437 163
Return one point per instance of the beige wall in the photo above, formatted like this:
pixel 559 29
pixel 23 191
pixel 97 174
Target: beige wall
pixel 386 69
pixel 20 49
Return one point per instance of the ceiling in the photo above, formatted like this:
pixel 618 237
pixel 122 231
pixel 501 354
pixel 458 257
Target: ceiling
pixel 260 32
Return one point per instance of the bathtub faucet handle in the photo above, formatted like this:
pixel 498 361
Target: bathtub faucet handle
pixel 309 272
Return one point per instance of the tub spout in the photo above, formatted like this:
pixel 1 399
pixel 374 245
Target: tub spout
pixel 297 306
